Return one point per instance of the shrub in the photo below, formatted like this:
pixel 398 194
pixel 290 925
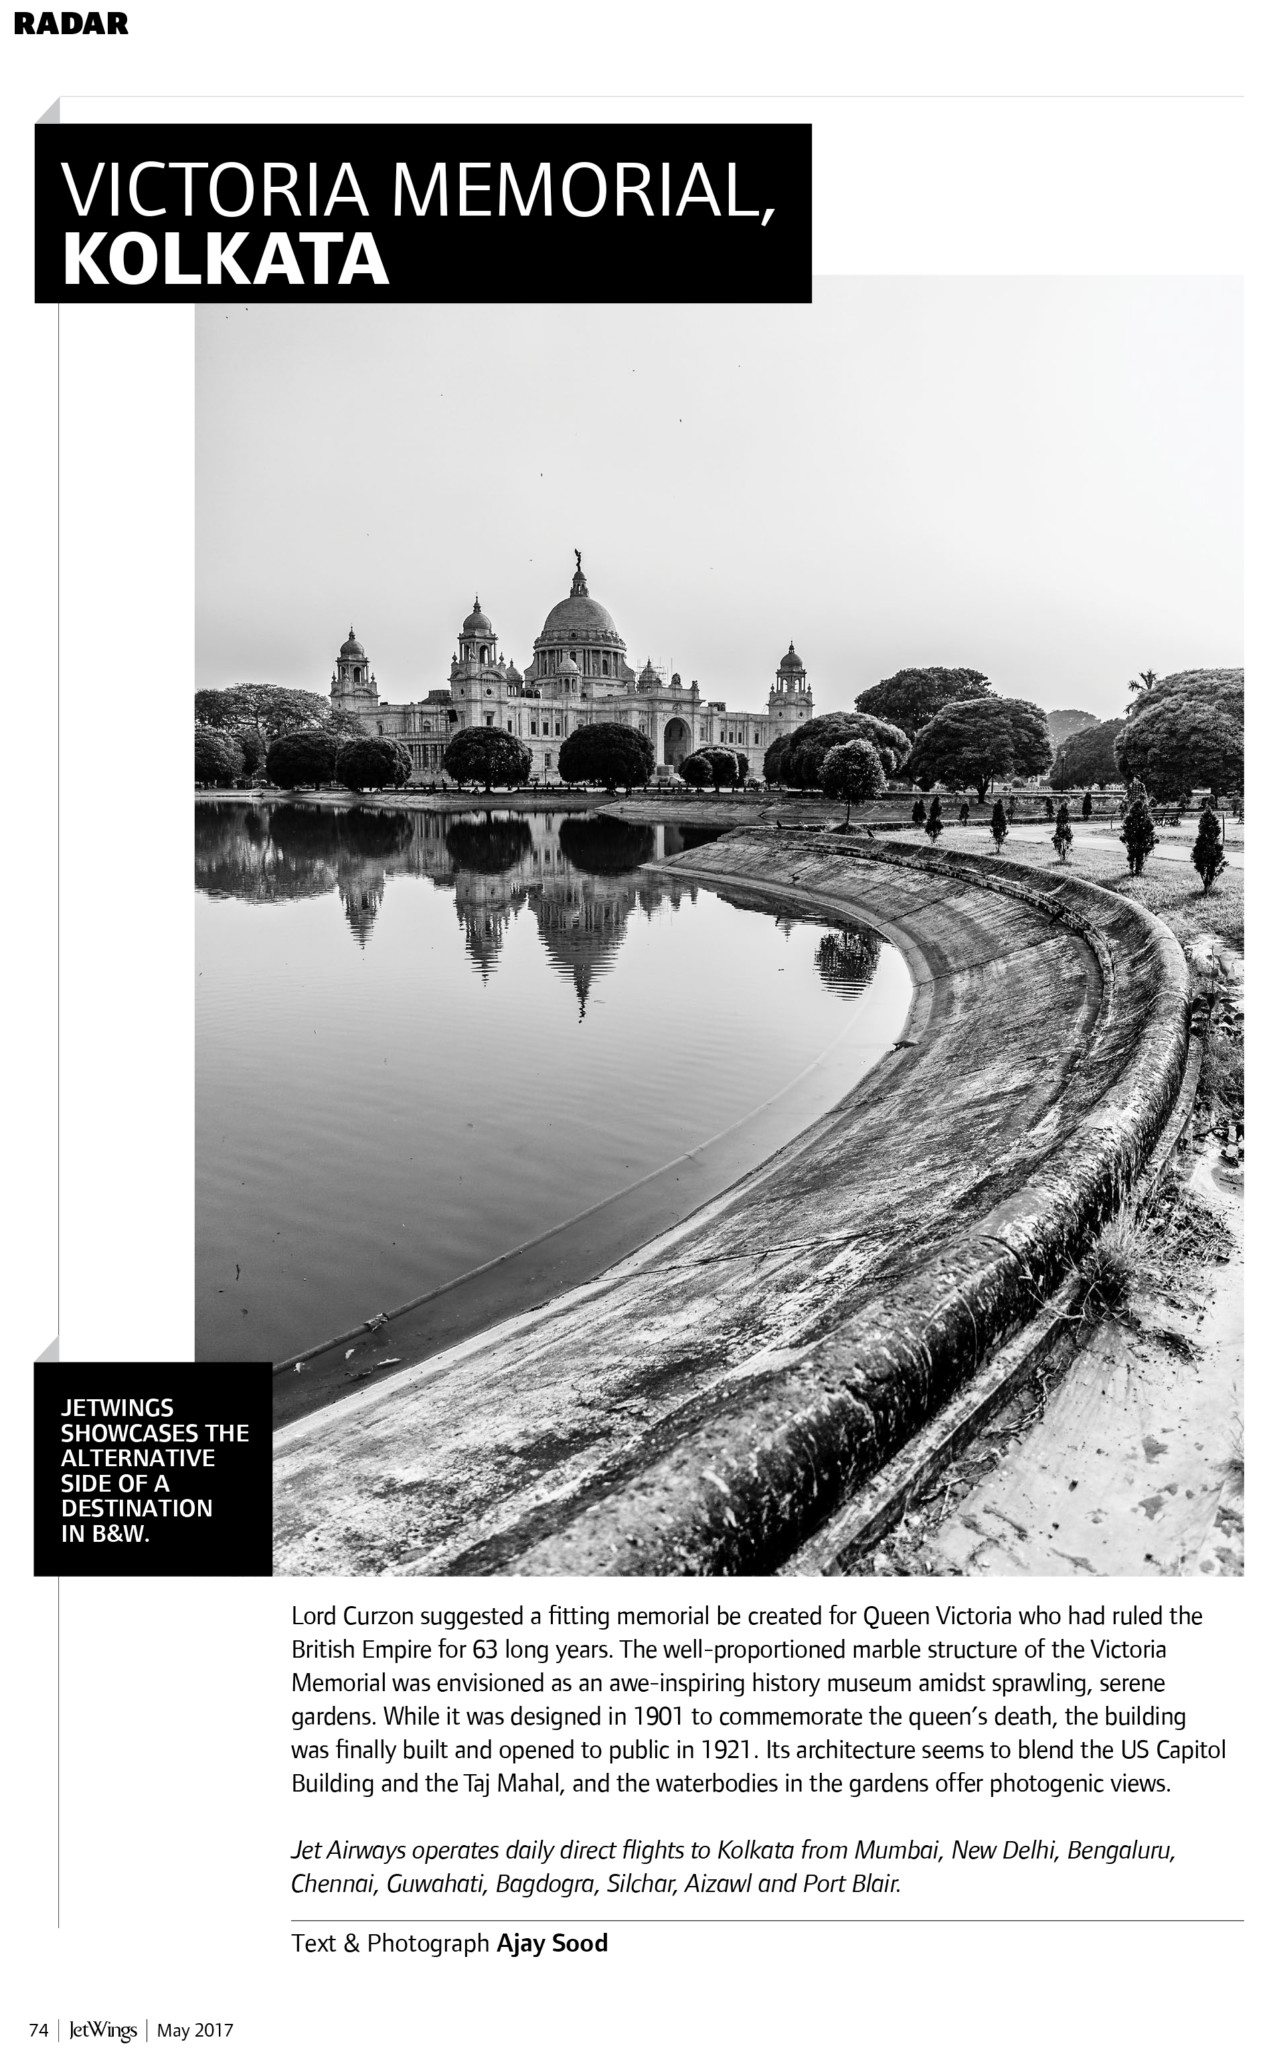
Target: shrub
pixel 302 760
pixel 1207 852
pixel 1223 1073
pixel 1062 834
pixel 607 753
pixel 1107 1274
pixel 218 758
pixel 481 753
pixel 964 814
pixel 1086 808
pixel 1138 834
pixel 1048 806
pixel 716 765
pixel 798 765
pixel 372 762
pixel 853 770
pixel 918 812
pixel 934 823
pixel 999 824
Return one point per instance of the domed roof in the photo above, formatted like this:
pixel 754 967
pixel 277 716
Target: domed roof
pixel 352 649
pixel 792 660
pixel 579 616
pixel 477 621
pixel 568 667
pixel 513 673
pixel 648 677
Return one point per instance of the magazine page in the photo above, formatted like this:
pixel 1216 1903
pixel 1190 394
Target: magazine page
pixel 631 1326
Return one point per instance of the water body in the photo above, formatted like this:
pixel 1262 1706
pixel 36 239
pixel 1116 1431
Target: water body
pixel 424 1040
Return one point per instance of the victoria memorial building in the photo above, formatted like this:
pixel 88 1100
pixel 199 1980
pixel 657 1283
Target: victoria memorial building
pixel 579 675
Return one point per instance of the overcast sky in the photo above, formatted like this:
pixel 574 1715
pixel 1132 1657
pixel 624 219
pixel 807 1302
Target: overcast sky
pixel 1040 478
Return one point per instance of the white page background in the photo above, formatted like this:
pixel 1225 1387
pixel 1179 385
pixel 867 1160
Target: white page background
pixel 172 1739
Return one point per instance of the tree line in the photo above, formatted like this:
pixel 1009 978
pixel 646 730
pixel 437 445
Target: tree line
pixel 928 727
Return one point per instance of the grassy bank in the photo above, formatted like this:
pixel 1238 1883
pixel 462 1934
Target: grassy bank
pixel 1169 888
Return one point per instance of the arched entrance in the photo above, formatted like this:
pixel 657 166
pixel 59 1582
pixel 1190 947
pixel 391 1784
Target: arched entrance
pixel 678 741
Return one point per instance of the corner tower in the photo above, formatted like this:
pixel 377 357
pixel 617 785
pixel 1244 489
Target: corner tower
pixel 789 701
pixel 474 674
pixel 352 686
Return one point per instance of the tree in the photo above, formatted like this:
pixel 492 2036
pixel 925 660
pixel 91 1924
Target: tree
pixel 716 765
pixel 1086 808
pixel 1207 853
pixel 1048 806
pixel 798 765
pixel 853 770
pixel 970 745
pixel 774 755
pixel 964 814
pixel 999 825
pixel 1221 689
pixel 371 762
pixel 934 823
pixel 1062 724
pixel 1138 834
pixel 911 697
pixel 607 753
pixel 269 712
pixel 301 760
pixel 1062 834
pixel 1142 685
pixel 918 812
pixel 1180 743
pixel 217 758
pixel 482 753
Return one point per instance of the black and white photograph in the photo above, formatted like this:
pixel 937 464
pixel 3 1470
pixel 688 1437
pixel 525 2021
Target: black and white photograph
pixel 719 927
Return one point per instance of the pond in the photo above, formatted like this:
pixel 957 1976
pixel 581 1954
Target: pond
pixel 425 1040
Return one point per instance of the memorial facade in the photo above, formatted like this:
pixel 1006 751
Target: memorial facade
pixel 579 675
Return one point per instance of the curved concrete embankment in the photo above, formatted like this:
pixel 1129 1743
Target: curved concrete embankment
pixel 708 1401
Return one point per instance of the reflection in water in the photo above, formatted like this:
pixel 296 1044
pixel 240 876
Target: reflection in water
pixel 847 960
pixel 489 846
pixel 581 875
pixel 606 846
pixel 377 1119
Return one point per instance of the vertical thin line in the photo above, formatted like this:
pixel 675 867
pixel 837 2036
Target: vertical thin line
pixel 57 964
pixel 59 1758
pixel 57 1115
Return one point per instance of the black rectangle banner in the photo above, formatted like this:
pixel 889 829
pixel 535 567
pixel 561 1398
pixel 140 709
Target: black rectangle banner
pixel 153 1471
pixel 579 213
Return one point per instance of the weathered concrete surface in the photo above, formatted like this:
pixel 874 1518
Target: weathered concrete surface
pixel 705 1404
